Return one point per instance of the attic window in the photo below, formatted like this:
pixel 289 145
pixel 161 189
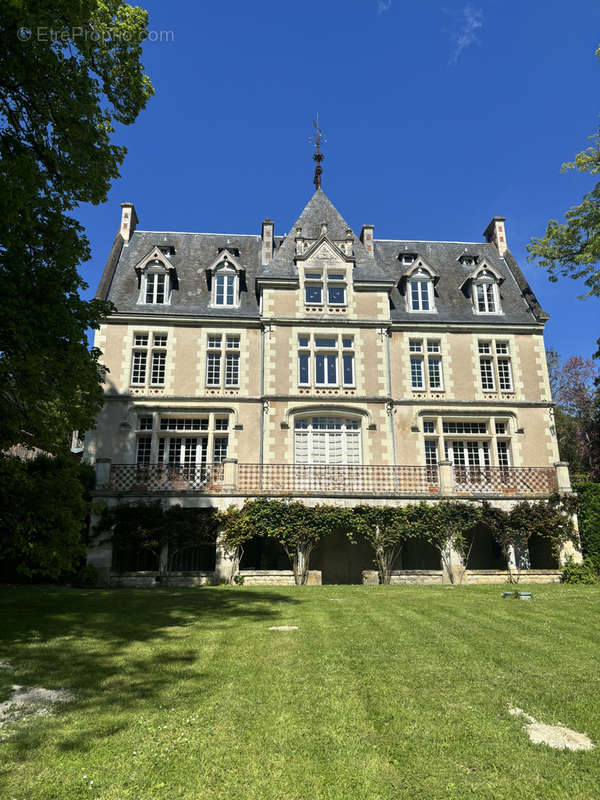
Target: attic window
pixel 156 286
pixel 468 261
pixel 486 295
pixel 407 258
pixel 167 249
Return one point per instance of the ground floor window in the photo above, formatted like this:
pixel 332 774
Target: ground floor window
pixel 187 441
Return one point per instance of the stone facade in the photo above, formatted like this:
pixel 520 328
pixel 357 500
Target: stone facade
pixel 321 366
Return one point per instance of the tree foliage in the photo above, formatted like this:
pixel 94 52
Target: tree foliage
pixel 572 248
pixel 447 523
pixel 69 71
pixel 297 528
pixel 43 513
pixel 589 521
pixel 576 416
pixel 550 519
pixel 387 529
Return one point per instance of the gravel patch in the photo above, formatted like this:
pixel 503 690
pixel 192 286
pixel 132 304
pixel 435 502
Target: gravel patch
pixel 24 704
pixel 556 736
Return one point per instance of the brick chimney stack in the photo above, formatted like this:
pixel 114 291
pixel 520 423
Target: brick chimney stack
pixel 267 241
pixel 129 220
pixel 366 237
pixel 496 234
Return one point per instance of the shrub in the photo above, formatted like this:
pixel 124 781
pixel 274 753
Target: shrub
pixel 43 510
pixel 589 521
pixel 579 573
pixel 86 578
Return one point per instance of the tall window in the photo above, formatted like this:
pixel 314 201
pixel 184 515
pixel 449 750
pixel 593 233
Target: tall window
pixel 326 354
pixel 426 365
pixel 495 363
pixel 223 360
pixel 156 286
pixel 467 442
pixel 225 289
pixel 420 292
pixel 486 296
pixel 146 358
pixel 327 440
pixel 192 441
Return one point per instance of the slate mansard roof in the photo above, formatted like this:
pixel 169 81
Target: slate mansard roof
pixel 195 253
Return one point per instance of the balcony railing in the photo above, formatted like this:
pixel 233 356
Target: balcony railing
pixel 166 477
pixel 535 481
pixel 331 479
pixel 336 479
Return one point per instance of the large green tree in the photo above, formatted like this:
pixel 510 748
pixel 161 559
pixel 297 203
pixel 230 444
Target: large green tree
pixel 69 71
pixel 572 248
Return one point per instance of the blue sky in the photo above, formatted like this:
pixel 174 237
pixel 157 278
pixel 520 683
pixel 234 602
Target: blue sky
pixel 437 115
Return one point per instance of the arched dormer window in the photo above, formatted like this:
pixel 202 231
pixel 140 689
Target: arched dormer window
pixel 225 277
pixel 156 278
pixel 420 296
pixel 485 291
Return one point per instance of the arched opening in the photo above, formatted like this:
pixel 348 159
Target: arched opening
pixel 485 552
pixel 263 553
pixel 541 553
pixel 418 554
pixel 339 560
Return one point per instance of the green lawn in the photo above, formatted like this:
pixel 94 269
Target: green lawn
pixel 383 692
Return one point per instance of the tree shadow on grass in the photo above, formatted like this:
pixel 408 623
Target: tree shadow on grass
pixel 120 651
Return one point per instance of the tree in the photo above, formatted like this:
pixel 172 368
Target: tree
pixel 297 528
pixel 387 530
pixel 43 512
pixel 572 248
pixel 69 71
pixel 575 416
pixel 447 523
pixel 550 519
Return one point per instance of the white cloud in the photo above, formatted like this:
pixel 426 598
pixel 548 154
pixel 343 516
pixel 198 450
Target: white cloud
pixel 470 20
pixel 383 5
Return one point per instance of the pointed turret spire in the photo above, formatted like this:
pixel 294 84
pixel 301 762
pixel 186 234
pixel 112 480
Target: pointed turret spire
pixel 317 155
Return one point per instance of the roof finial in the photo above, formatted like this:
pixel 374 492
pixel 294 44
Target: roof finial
pixel 317 155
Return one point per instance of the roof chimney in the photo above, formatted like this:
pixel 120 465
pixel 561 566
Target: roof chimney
pixel 496 234
pixel 366 237
pixel 128 221
pixel 267 241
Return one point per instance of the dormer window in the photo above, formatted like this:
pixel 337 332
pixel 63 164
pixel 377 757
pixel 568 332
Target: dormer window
pixel 156 283
pixel 420 296
pixel 225 289
pixel 468 260
pixel 485 294
pixel 407 258
pixel 225 275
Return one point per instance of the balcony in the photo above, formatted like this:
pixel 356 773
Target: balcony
pixel 250 480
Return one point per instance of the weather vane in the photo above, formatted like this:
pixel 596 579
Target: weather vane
pixel 317 155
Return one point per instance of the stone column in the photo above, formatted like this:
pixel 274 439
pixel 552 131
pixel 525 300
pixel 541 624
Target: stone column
pixel 563 479
pixel 103 472
pixel 446 478
pixel 99 553
pixel 230 474
pixel 226 566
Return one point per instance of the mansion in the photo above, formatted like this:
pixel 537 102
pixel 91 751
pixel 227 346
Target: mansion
pixel 324 366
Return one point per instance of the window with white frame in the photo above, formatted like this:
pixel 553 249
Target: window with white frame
pixel 327 440
pixel 326 361
pixel 192 441
pixel 426 371
pixel 225 285
pixel 420 291
pixel 486 294
pixel 223 360
pixel 478 444
pixel 495 367
pixel 156 286
pixel 325 288
pixel 149 359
